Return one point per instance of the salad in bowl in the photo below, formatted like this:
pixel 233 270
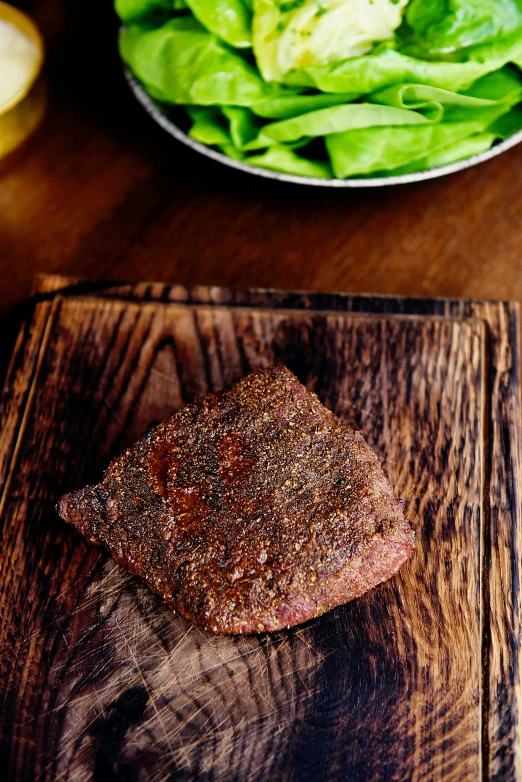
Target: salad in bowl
pixel 333 89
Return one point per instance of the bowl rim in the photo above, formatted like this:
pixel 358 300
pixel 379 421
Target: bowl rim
pixel 153 108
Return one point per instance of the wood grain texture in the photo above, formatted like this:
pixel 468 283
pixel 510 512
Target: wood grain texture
pixel 504 544
pixel 108 682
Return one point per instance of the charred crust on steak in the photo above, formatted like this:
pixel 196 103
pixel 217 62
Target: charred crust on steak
pixel 252 509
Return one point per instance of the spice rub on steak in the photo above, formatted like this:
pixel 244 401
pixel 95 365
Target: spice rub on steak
pixel 250 510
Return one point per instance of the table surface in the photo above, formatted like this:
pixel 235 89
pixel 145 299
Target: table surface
pixel 101 191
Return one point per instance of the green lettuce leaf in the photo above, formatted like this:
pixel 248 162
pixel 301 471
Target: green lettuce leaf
pixel 132 11
pixel 502 128
pixel 184 63
pixel 357 152
pixel 386 67
pixel 292 105
pixel 501 87
pixel 247 132
pixel 449 25
pixel 508 124
pixel 289 34
pixel 504 85
pixel 338 119
pixel 466 148
pixel 280 158
pixel 230 151
pixel 244 126
pixel 460 150
pixel 405 105
pixel 229 19
pixel 209 126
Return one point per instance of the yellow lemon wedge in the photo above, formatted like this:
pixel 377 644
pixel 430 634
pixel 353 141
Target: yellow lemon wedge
pixel 21 55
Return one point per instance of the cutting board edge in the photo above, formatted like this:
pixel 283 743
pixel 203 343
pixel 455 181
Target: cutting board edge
pixel 502 740
pixel 49 285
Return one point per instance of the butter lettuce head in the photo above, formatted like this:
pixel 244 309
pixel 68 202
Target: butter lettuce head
pixel 293 34
pixel 344 88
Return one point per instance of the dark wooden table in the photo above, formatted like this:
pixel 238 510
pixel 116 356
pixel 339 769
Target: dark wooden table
pixel 100 191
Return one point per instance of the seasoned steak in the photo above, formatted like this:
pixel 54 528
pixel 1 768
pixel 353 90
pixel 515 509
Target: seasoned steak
pixel 252 509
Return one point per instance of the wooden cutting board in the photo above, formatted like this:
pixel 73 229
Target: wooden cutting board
pixel 417 680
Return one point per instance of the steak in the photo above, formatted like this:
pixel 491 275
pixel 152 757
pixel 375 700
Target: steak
pixel 249 510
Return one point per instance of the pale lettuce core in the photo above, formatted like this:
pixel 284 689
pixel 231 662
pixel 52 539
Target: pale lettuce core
pixel 299 33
